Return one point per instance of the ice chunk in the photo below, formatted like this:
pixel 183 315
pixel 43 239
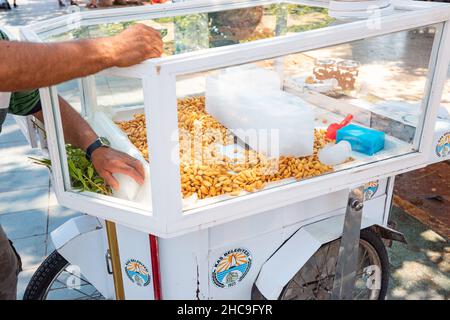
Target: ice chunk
pixel 334 154
pixel 253 107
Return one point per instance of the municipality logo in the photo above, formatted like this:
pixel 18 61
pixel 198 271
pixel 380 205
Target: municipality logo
pixel 443 146
pixel 370 188
pixel 231 268
pixel 137 272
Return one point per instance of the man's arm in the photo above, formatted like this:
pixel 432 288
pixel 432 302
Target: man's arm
pixel 34 65
pixel 106 161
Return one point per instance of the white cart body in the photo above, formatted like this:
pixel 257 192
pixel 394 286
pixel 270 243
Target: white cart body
pixel 186 262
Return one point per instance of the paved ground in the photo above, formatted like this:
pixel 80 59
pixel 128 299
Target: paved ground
pixel 425 194
pixel 29 11
pixel 28 210
pixel 421 269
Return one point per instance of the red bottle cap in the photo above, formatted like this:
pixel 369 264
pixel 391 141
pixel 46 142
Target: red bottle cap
pixel 334 127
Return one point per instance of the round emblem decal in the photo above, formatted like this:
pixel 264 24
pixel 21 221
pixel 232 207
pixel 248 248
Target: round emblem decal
pixel 137 272
pixel 443 146
pixel 370 188
pixel 231 268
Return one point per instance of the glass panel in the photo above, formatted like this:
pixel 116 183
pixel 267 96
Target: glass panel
pixel 118 92
pixel 264 124
pixel 381 79
pixel 445 111
pixel 193 32
pixel 71 92
pixel 106 110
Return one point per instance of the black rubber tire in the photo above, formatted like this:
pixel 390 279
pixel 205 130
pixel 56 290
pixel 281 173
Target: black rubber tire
pixel 44 276
pixel 375 241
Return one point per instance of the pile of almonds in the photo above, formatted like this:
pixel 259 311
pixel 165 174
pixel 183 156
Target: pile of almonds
pixel 207 172
pixel 135 130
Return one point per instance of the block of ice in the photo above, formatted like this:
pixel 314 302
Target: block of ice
pixel 253 107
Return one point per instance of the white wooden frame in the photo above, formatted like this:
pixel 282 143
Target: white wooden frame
pixel 159 79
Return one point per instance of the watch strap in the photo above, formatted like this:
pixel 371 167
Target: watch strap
pixel 94 146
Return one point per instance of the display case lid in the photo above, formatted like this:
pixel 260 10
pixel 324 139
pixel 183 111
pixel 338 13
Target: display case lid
pixel 194 25
pixel 188 27
pixel 200 24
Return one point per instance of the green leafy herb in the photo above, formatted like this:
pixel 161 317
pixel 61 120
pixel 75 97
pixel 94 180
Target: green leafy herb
pixel 82 172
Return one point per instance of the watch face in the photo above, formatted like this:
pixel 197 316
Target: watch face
pixel 105 142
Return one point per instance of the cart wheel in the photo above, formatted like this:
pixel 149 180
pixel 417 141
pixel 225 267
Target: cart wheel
pixel 57 279
pixel 314 281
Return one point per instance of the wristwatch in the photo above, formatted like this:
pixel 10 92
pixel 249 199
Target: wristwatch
pixel 99 143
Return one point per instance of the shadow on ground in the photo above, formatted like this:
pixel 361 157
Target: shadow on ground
pixel 420 269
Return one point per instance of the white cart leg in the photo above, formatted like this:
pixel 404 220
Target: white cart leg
pixel 344 281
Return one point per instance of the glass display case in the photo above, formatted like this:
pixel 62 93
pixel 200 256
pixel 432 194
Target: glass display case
pixel 254 105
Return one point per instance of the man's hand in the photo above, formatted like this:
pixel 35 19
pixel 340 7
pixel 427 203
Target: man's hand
pixel 134 45
pixel 108 161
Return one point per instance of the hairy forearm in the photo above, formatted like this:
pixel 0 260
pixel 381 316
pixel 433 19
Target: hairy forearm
pixel 77 131
pixel 31 65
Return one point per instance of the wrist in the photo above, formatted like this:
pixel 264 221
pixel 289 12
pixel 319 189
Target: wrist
pixel 96 152
pixel 99 143
pixel 87 139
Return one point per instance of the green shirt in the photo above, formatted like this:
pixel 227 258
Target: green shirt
pixel 21 103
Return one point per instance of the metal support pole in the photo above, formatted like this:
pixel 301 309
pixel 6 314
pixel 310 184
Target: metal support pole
pixel 344 281
pixel 115 260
